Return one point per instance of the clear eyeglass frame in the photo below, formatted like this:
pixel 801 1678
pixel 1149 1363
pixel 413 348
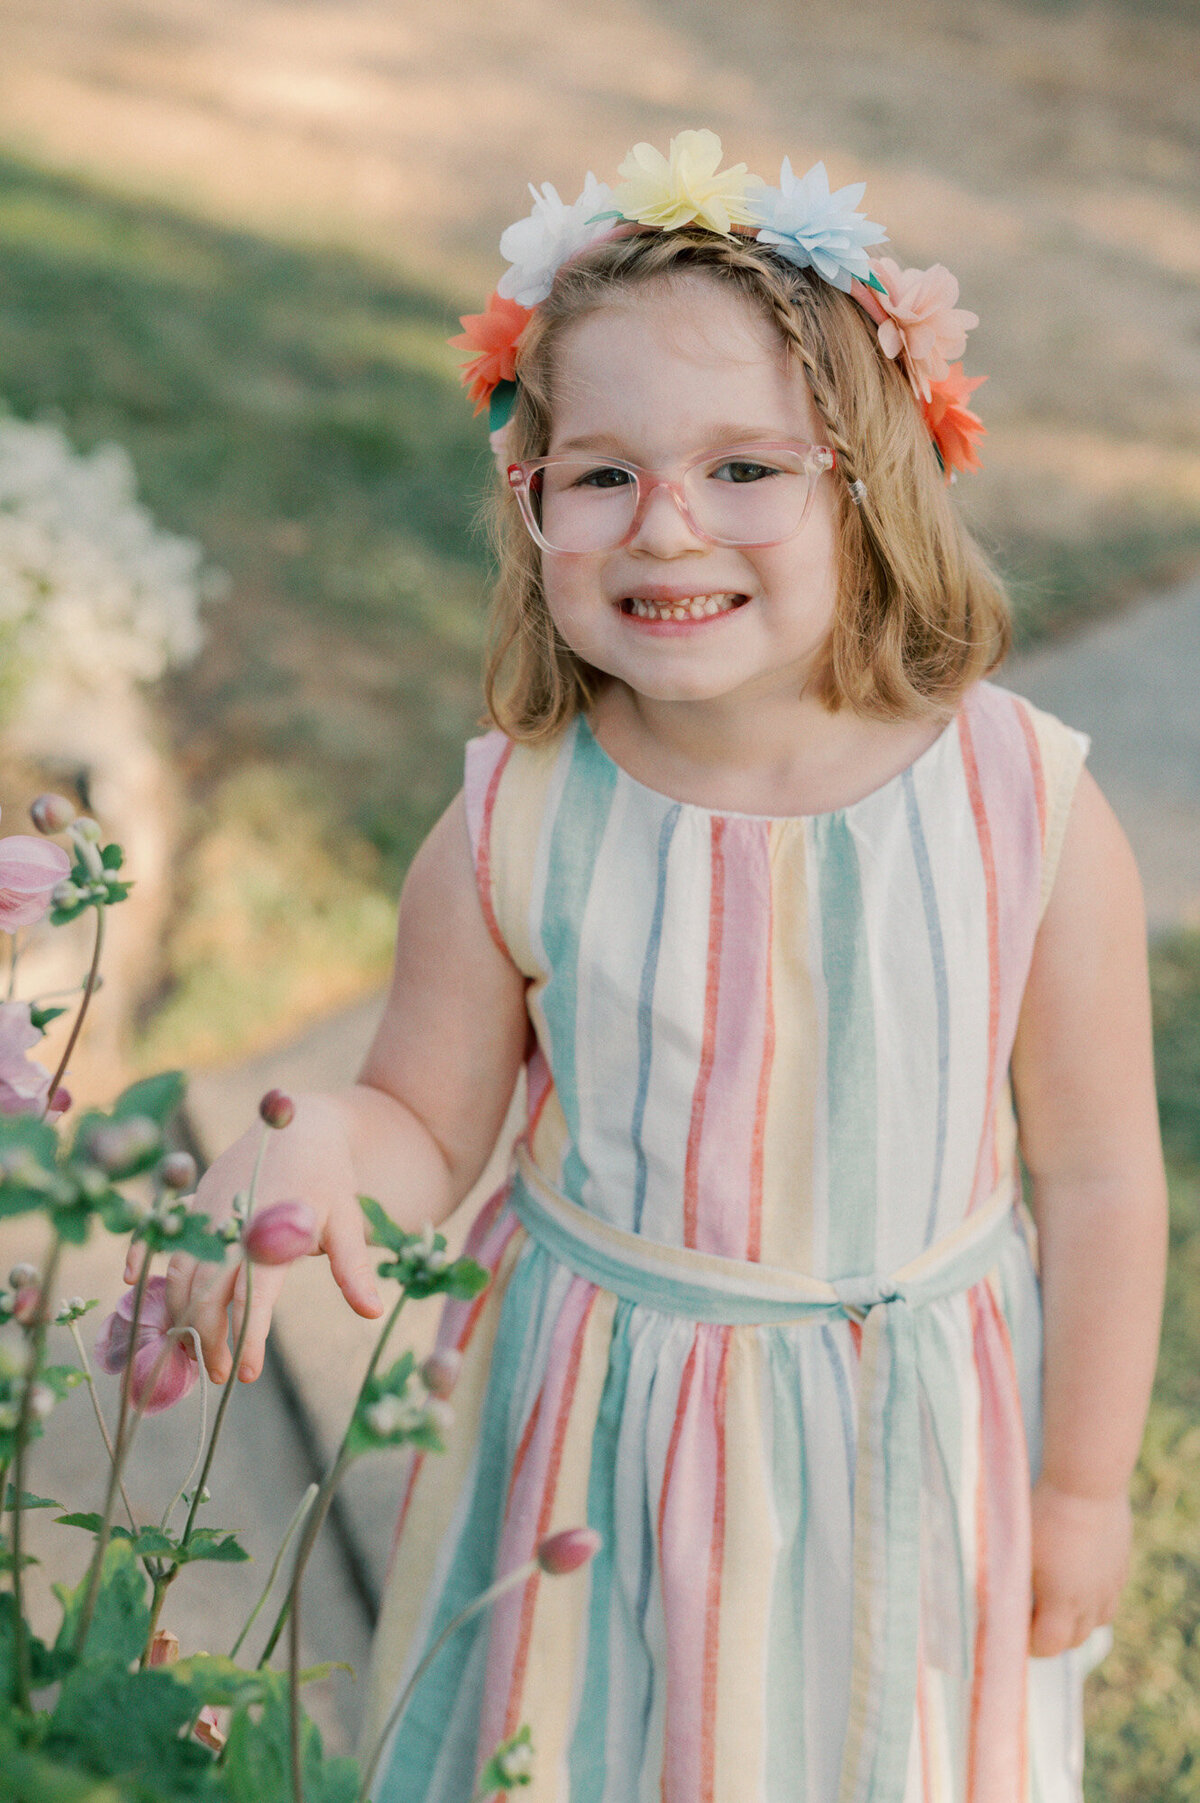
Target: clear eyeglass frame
pixel 818 459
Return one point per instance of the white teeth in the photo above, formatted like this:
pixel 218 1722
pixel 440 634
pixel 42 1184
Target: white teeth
pixel 695 607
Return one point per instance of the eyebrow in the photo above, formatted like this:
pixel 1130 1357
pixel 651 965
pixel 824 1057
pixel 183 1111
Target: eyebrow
pixel 721 434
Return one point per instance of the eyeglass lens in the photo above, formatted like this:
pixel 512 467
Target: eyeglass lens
pixel 581 504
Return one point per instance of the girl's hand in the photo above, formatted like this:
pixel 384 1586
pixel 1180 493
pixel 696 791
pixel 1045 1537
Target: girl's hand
pixel 309 1160
pixel 1081 1548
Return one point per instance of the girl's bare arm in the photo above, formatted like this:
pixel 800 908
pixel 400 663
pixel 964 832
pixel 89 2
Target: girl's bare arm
pixel 416 1128
pixel 1084 1085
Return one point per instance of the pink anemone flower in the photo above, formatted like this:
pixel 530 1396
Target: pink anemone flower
pixel 29 869
pixel 23 1081
pixel 157 1338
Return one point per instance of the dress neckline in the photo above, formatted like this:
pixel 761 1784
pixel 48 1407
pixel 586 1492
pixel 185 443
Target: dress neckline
pixel 696 807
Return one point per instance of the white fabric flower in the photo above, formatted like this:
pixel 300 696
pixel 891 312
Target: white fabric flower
pixel 816 229
pixel 537 247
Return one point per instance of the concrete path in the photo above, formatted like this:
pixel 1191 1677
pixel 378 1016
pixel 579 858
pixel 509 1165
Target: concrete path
pixel 1133 683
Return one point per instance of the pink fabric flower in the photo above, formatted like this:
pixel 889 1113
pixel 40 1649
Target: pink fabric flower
pixel 281 1233
pixel 920 322
pixel 954 427
pixel 29 869
pixel 154 1337
pixel 23 1081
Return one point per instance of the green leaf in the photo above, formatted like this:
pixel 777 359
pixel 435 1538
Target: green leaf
pixel 494 1776
pixel 112 857
pixel 62 1378
pixel 45 1667
pixel 257 1760
pixel 122 1618
pixel 29 1777
pixel 41 1017
pixel 158 1096
pixel 384 1231
pixel 218 1680
pixel 191 1235
pixel 215 1544
pixel 28 1500
pixel 127 1725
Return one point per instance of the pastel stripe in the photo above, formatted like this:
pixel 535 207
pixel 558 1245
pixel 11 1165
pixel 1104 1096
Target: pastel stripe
pixel 762 1309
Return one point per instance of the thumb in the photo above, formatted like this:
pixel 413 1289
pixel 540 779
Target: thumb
pixel 350 1262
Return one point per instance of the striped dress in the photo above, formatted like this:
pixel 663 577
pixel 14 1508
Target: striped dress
pixel 764 1307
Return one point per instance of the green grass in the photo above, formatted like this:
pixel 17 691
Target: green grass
pixel 1144 1700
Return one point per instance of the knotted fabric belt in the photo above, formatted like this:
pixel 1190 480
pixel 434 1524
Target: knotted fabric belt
pixel 707 1287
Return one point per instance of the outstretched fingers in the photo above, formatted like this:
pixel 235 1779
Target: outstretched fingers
pixel 267 1282
pixel 351 1261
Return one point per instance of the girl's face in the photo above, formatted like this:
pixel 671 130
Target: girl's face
pixel 673 371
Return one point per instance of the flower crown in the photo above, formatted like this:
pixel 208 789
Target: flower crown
pixel 914 311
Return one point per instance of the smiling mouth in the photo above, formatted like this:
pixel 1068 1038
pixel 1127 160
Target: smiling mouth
pixel 688 607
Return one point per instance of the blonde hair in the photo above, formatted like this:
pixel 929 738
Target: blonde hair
pixel 919 615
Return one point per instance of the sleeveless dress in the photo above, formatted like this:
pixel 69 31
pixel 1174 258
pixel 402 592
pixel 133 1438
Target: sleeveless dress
pixel 764 1307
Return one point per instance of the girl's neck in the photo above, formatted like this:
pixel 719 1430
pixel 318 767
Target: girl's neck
pixel 785 754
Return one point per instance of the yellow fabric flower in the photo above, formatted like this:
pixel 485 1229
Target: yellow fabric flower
pixel 670 191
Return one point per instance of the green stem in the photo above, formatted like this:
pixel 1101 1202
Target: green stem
pixel 294 1691
pixel 330 1482
pixel 21 1666
pixel 302 1509
pixel 222 1407
pixel 484 1600
pixel 114 1476
pixel 200 1437
pixel 88 991
pixel 99 1413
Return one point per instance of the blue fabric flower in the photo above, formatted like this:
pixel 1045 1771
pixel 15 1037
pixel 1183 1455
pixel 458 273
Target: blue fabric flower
pixel 815 229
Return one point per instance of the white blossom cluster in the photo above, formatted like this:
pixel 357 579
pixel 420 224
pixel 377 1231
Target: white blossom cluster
pixel 89 585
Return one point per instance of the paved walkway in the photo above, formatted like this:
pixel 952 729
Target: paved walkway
pixel 1132 683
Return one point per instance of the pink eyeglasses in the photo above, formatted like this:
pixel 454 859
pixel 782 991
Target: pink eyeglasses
pixel 743 494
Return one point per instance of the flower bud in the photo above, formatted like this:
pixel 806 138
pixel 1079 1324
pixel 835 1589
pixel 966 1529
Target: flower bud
pixel 440 1372
pixel 516 1762
pixel 118 1146
pixel 439 1414
pixel 25 1304
pixel 568 1550
pixel 164 1648
pixel 60 1101
pixel 21 1276
pixel 208 1729
pixel 277 1108
pixel 281 1233
pixel 178 1171
pixel 87 829
pixel 41 1401
pixel 52 813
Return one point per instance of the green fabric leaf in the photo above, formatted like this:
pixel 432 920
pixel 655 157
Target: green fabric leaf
pixel 122 1618
pixel 500 405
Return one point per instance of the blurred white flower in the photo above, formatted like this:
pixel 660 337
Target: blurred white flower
pixel 91 588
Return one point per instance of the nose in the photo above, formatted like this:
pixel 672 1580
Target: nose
pixel 662 528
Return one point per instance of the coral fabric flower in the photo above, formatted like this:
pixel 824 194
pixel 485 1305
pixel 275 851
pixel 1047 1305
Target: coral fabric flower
pixel 815 229
pixel 538 247
pixel 493 335
pixel 921 324
pixel 23 1081
pixel 685 186
pixel 155 1335
pixel 954 427
pixel 29 869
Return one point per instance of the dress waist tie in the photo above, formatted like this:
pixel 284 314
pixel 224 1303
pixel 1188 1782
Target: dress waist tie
pixel 886 1544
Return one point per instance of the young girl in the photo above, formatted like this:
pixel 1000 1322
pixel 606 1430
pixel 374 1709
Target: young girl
pixel 802 931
